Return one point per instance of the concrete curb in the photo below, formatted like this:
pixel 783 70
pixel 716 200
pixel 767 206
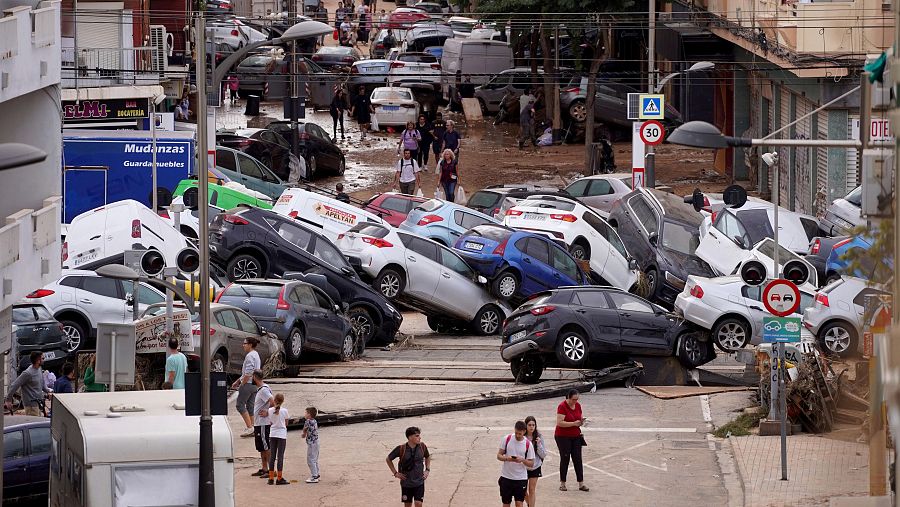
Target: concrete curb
pixel 740 472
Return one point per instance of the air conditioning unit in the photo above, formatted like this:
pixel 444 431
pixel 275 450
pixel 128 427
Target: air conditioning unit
pixel 159 40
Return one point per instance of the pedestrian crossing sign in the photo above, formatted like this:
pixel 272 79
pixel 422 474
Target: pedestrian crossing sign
pixel 652 107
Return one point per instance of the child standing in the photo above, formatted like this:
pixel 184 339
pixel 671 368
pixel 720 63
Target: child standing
pixel 311 434
pixel 278 417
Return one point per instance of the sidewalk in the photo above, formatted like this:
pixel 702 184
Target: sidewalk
pixel 818 468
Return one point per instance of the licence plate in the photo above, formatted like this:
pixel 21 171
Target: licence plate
pixel 49 355
pixel 86 256
pixel 517 336
pixel 474 246
pixel 535 216
pixel 391 108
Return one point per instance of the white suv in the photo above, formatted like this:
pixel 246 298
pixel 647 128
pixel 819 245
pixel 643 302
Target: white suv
pixel 837 317
pixel 82 299
pixel 587 235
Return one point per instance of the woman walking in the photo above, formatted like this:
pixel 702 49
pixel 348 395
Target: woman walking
pixel 338 106
pixel 569 439
pixel 409 140
pixel 449 171
pixel 424 127
pixel 362 110
pixel 540 452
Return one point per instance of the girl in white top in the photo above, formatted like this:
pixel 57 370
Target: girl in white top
pixel 278 416
pixel 540 452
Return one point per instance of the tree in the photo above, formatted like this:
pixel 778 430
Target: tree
pixel 601 52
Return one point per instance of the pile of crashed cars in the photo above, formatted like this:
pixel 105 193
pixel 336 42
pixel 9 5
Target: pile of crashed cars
pixel 572 277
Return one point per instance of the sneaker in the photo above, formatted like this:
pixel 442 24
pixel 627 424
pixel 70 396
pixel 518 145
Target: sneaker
pixel 312 480
pixel 260 473
pixel 562 487
pixel 281 482
pixel 583 488
pixel 247 433
pixel 272 481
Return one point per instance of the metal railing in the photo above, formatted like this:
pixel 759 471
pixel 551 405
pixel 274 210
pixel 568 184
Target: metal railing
pixel 105 67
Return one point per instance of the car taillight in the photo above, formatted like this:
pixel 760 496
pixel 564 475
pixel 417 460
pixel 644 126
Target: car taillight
pixel 436 66
pixel 282 304
pixel 219 295
pixel 712 217
pixel 196 331
pixel 65 251
pixel 377 242
pixel 430 219
pixel 501 249
pixel 565 217
pixel 822 299
pixel 348 59
pixel 135 228
pixel 234 219
pixel 514 213
pixel 495 211
pixel 542 310
pixel 316 58
pixel 816 246
pixel 40 293
pixel 697 291
pixel 164 213
pixel 841 243
pixel 235 33
pixel 397 65
pixel 354 70
pixel 573 90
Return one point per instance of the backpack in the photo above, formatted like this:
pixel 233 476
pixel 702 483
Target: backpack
pixel 403 448
pixel 527 444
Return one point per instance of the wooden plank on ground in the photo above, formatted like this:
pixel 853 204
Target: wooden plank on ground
pixel 673 392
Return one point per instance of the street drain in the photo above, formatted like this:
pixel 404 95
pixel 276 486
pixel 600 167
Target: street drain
pixel 690 444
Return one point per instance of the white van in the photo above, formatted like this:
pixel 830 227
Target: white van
pixel 97 236
pixel 333 217
pixel 478 59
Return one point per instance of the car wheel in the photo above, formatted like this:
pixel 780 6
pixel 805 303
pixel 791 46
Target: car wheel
pixel 487 321
pixel 832 278
pixel 527 369
pixel 731 335
pixel 293 346
pixel 389 283
pixel 311 167
pixel 652 280
pixel 363 324
pixel 580 251
pixel 692 351
pixel 838 338
pixel 244 266
pixel 346 352
pixel 75 335
pixel 571 349
pixel 342 166
pixel 218 362
pixel 578 111
pixel 506 285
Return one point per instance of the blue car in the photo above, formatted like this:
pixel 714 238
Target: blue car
pixel 443 221
pixel 26 463
pixel 837 263
pixel 518 263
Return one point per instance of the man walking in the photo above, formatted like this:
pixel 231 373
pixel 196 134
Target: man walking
pixel 63 384
pixel 31 382
pixel 526 125
pixel 413 467
pixel 176 365
pixel 517 455
pixel 407 174
pixel 261 423
pixel 244 385
pixel 451 139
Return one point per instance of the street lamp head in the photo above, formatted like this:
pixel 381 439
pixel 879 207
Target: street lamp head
pixel 14 155
pixel 305 29
pixel 699 134
pixel 702 66
pixel 118 272
pixel 770 159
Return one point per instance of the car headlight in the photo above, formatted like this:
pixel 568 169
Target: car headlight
pixel 674 281
pixel 391 308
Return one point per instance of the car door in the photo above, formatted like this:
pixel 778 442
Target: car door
pixel 565 270
pixel 313 316
pixel 751 297
pixel 288 249
pixel 234 337
pixel 327 159
pixel 250 328
pixel 461 295
pixel 594 311
pixel 15 464
pixel 720 246
pixel 146 296
pixel 226 163
pixel 608 103
pixel 535 263
pixel 423 267
pixel 333 332
pixel 103 299
pixel 600 194
pixel 38 457
pixel 616 270
pixel 643 327
pixel 251 175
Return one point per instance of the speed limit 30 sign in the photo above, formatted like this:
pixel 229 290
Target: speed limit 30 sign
pixel 652 132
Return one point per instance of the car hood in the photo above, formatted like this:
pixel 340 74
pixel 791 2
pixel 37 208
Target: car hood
pixel 682 265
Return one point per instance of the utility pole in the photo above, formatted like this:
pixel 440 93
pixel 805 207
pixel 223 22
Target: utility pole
pixel 295 87
pixel 650 158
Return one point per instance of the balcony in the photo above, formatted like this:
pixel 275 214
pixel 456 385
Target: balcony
pixel 29 49
pixel 96 67
pixel 29 251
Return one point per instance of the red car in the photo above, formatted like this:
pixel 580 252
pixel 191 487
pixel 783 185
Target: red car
pixel 393 206
pixel 405 17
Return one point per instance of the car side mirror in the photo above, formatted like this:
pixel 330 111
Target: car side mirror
pixel 653 238
pixel 740 242
pixel 337 308
pixel 632 264
pixel 260 330
pixel 129 299
pixel 347 271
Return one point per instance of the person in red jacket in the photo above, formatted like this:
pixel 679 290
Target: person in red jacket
pixel 569 439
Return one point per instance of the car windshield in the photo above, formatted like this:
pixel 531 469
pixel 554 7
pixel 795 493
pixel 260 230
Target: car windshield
pixel 544 203
pixel 627 182
pixel 253 290
pixel 462 26
pixel 417 58
pixel 26 314
pixel 429 205
pixel 484 199
pixel 855 197
pixel 391 95
pixel 492 232
pixel 368 229
pixel 767 248
pixel 756 222
pixel 256 61
pixel 334 50
pixel 680 237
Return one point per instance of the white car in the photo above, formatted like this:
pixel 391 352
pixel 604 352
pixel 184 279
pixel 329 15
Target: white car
pixel 601 191
pixel 81 299
pixel 587 235
pixel 726 256
pixel 836 318
pixel 462 26
pixel 394 106
pixel 844 214
pixel 732 310
pixel 424 275
pixel 188 219
pixel 328 215
pixel 103 234
pixel 415 69
pixel 235 33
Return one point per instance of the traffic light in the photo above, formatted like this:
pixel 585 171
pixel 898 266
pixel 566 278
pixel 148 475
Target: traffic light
pixel 696 200
pixel 796 271
pixel 753 272
pixel 145 262
pixel 188 260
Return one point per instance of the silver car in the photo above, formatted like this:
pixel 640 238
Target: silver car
pixel 844 214
pixel 610 104
pixel 601 191
pixel 836 318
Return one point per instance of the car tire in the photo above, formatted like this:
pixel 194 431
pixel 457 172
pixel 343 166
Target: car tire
pixel 363 324
pixel 312 167
pixel 692 351
pixel 75 335
pixel 244 266
pixel 578 111
pixel 488 321
pixel 571 349
pixel 218 362
pixel 731 334
pixel 342 166
pixel 652 282
pixel 347 345
pixel 838 338
pixel 389 283
pixel 506 285
pixel 580 251
pixel 293 345
pixel 832 278
pixel 527 369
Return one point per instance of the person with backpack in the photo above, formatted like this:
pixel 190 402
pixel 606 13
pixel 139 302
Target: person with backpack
pixel 407 174
pixel 413 467
pixel 409 140
pixel 540 452
pixel 517 454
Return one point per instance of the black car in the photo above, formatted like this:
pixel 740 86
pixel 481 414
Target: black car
pixel 490 200
pixel 254 243
pixel 819 250
pixel 662 233
pixel 315 146
pixel 336 57
pixel 26 457
pixel 300 314
pixel 590 327
pixel 36 329
pixel 264 145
